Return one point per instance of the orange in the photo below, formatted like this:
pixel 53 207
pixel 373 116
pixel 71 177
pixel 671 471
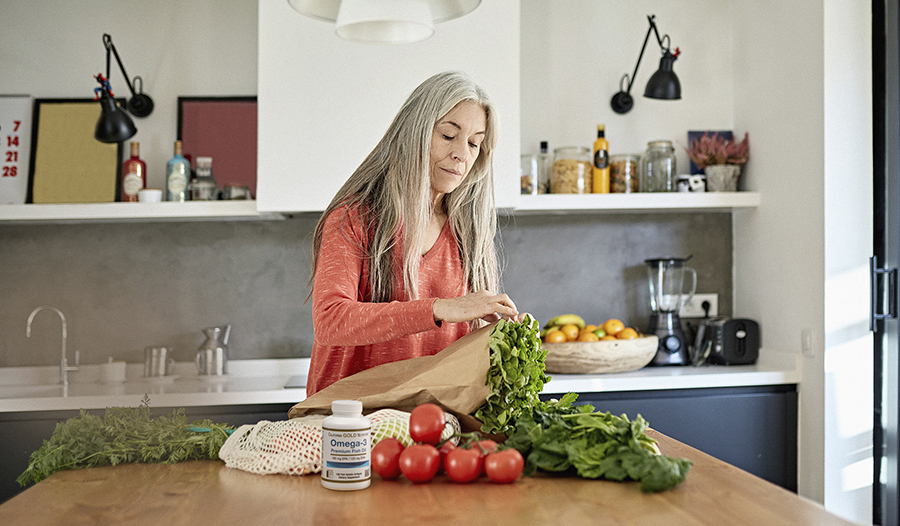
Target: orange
pixel 612 326
pixel 627 334
pixel 587 328
pixel 555 337
pixel 607 338
pixel 588 337
pixel 571 331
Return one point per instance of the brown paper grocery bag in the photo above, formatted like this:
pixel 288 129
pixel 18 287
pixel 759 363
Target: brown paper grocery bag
pixel 454 378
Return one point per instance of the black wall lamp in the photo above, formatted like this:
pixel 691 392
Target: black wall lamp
pixel 662 85
pixel 115 125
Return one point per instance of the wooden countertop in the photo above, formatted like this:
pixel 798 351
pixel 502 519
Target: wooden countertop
pixel 206 492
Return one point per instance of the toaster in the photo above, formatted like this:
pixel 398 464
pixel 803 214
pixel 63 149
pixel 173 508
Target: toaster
pixel 728 341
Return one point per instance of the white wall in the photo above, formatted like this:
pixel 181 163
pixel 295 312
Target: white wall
pixel 801 258
pixel 53 48
pixel 575 52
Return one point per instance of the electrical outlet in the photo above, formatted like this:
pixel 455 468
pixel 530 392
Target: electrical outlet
pixel 694 308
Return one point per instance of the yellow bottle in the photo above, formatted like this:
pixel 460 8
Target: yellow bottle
pixel 601 162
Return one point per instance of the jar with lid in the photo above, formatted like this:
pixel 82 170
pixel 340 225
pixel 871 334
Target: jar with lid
pixel 572 170
pixel 623 173
pixel 658 167
pixel 203 187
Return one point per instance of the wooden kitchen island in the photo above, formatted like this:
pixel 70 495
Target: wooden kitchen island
pixel 206 492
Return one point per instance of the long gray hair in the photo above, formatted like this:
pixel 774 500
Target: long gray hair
pixel 392 188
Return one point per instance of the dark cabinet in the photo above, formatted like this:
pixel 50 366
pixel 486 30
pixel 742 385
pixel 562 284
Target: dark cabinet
pixel 23 433
pixel 753 428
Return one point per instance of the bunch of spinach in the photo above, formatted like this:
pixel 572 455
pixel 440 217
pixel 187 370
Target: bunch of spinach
pixel 559 437
pixel 124 435
pixel 515 374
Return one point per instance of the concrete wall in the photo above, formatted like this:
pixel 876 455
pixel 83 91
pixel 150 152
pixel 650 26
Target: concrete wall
pixel 126 286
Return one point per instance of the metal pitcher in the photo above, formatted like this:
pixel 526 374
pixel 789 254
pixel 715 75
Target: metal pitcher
pixel 212 357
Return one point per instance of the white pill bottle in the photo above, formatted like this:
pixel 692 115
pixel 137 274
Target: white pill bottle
pixel 346 447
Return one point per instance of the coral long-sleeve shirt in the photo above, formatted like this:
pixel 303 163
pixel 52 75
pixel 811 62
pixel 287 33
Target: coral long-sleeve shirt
pixel 353 334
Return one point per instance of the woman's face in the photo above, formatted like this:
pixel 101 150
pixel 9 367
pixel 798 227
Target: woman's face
pixel 455 144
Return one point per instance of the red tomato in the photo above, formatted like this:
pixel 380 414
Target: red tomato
pixel 426 423
pixel 504 466
pixel 386 458
pixel 420 462
pixel 488 446
pixel 463 465
pixel 445 448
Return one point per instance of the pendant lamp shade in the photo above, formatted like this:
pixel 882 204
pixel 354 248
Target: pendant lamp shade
pixel 664 83
pixel 114 124
pixel 384 21
pixel 380 21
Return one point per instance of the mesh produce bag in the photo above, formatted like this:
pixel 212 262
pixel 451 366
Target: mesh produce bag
pixel 294 447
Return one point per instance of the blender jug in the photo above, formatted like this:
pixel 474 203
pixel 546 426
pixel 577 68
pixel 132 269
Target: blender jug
pixel 667 296
pixel 667 284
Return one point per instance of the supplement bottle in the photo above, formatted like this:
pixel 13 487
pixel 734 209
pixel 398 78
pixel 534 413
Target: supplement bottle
pixel 346 447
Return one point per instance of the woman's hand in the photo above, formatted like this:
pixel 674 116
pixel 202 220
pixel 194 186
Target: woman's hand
pixel 477 305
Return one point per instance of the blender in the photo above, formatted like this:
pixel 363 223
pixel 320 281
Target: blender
pixel 667 296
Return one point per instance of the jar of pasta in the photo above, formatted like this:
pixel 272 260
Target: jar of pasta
pixel 623 173
pixel 572 170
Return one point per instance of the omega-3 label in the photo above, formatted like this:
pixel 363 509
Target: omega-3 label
pixel 345 455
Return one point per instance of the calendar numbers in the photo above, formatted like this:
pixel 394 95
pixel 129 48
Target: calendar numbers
pixel 11 155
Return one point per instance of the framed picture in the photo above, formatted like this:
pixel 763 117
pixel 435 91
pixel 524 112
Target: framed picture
pixel 223 128
pixel 67 164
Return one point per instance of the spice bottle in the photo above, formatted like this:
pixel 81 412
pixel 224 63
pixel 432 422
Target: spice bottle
pixel 658 167
pixel 572 171
pixel 545 166
pixel 346 447
pixel 601 162
pixel 134 175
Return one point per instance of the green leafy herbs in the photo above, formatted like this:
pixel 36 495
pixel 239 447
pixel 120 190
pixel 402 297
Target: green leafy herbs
pixel 515 375
pixel 558 437
pixel 124 435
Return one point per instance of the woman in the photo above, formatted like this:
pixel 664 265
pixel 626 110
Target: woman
pixel 403 258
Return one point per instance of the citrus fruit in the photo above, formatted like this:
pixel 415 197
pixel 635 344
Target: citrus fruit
pixel 607 338
pixel 612 326
pixel 571 331
pixel 600 333
pixel 555 337
pixel 587 328
pixel 588 337
pixel 627 334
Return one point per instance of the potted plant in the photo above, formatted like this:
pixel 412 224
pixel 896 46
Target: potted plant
pixel 720 159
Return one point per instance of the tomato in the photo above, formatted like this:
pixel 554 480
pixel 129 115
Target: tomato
pixel 445 448
pixel 504 466
pixel 386 458
pixel 420 462
pixel 488 446
pixel 426 423
pixel 463 465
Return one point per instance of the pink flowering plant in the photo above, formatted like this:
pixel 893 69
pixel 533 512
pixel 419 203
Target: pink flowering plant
pixel 713 149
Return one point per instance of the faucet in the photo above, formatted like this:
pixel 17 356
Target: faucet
pixel 63 363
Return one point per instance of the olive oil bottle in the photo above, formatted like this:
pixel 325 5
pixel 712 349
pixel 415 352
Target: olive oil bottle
pixel 601 162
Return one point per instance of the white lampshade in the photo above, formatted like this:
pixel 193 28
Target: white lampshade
pixel 384 21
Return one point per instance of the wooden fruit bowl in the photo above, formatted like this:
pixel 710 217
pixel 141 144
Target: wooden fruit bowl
pixel 609 356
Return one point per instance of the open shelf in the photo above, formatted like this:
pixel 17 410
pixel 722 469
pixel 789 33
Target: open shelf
pixel 635 203
pixel 144 212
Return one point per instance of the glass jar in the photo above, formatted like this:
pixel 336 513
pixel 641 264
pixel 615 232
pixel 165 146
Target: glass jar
pixel 658 167
pixel 572 170
pixel 529 175
pixel 623 174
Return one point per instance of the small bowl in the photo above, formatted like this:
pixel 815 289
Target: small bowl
pixel 607 356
